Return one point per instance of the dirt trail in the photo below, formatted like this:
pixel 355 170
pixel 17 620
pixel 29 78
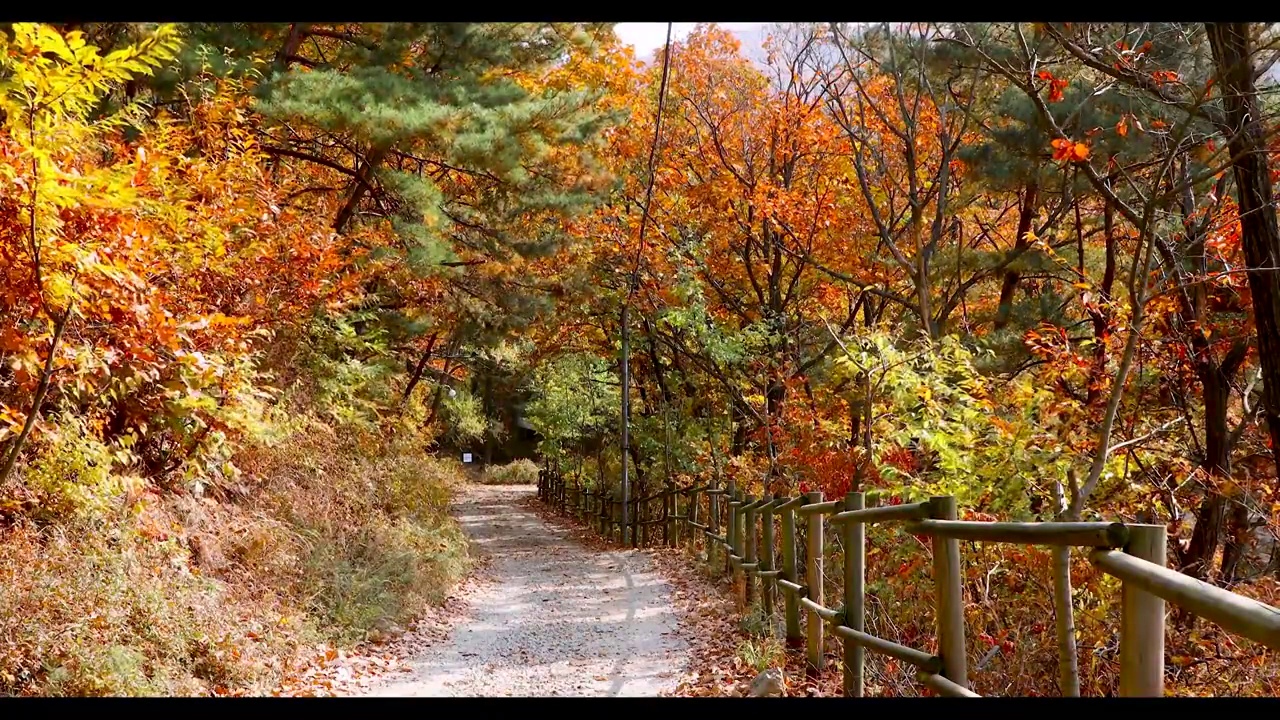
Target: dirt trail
pixel 552 617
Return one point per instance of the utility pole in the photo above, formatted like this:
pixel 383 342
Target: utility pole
pixel 626 416
pixel 631 290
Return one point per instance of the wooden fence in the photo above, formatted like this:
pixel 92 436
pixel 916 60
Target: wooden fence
pixel 1135 554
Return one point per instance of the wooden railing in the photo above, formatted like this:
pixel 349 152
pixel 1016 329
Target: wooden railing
pixel 1135 554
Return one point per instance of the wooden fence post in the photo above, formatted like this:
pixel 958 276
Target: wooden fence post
pixel 659 532
pixel 766 559
pixel 813 579
pixel 949 586
pixel 691 516
pixel 790 602
pixel 1142 620
pixel 855 549
pixel 656 511
pixel 713 523
pixel 739 542
pixel 730 529
pixel 602 510
pixel 667 499
pixel 749 550
pixel 673 518
pixel 635 524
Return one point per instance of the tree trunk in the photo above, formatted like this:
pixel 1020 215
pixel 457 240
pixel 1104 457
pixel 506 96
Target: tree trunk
pixel 1026 213
pixel 417 372
pixel 738 423
pixel 358 187
pixel 1217 463
pixel 1259 233
pixel 438 395
pixel 292 41
pixel 33 415
pixel 1101 313
pixel 775 397
pixel 488 411
pixel 654 360
pixel 1238 534
pixel 855 434
pixel 1064 616
pixel 1063 608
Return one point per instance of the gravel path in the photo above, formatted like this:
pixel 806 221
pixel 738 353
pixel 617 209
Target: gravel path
pixel 552 618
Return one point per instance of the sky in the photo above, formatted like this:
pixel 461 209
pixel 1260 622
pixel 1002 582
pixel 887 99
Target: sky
pixel 647 37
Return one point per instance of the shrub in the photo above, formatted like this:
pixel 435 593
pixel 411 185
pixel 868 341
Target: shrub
pixel 366 534
pixel 69 477
pixel 326 536
pixel 110 611
pixel 518 472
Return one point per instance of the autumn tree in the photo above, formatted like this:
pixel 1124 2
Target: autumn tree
pixel 59 239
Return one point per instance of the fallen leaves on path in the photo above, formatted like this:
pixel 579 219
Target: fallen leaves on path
pixel 709 620
pixel 712 624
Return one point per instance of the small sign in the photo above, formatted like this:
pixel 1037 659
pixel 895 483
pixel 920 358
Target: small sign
pixel 466 457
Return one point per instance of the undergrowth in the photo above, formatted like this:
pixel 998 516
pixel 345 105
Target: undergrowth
pixel 516 472
pixel 122 590
pixel 762 653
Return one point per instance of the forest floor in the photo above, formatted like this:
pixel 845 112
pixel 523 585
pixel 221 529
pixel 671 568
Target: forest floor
pixel 545 615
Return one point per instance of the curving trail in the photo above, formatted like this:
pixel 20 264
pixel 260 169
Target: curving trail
pixel 552 618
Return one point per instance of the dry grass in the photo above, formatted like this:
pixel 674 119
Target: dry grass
pixel 365 528
pixel 326 538
pixel 110 611
pixel 762 653
pixel 516 472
